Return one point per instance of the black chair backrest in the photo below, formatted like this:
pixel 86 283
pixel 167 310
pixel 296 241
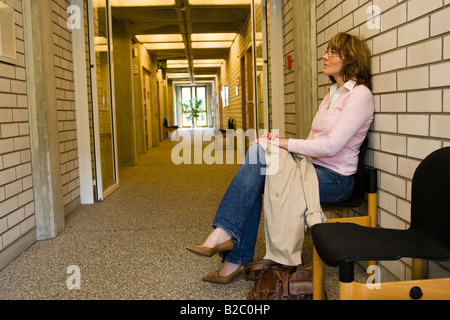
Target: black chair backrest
pixel 430 195
pixel 359 190
pixel 232 124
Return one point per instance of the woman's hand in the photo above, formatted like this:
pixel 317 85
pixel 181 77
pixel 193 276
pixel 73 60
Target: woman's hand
pixel 273 138
pixel 274 135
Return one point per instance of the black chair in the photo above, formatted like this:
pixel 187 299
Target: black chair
pixel 231 126
pixel 365 183
pixel 168 129
pixel 229 136
pixel 428 237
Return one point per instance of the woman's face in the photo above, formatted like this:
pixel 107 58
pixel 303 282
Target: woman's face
pixel 333 65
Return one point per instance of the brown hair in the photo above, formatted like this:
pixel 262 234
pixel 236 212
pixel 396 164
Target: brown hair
pixel 356 55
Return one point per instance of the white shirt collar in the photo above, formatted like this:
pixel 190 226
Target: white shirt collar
pixel 349 85
pixel 336 92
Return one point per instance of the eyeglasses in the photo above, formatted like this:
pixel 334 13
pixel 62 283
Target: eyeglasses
pixel 332 53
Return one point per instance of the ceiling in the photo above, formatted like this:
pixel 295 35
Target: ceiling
pixel 194 36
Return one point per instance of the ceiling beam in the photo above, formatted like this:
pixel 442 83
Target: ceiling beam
pixel 186 27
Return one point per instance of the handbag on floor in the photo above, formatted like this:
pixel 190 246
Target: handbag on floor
pixel 273 281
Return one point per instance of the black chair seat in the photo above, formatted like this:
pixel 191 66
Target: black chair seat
pixel 348 242
pixel 352 202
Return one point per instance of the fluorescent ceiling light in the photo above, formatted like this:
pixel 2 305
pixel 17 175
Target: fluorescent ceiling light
pixel 142 3
pixel 147 38
pixel 204 65
pixel 177 61
pixel 178 75
pixel 164 46
pixel 178 66
pixel 207 61
pixel 205 76
pixel 220 2
pixel 213 36
pixel 209 45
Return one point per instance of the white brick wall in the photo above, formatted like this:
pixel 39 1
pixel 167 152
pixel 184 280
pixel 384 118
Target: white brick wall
pixel 411 68
pixel 16 186
pixel 289 76
pixel 66 102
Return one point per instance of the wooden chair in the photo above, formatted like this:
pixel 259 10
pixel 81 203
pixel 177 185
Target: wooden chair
pixel 342 244
pixel 365 183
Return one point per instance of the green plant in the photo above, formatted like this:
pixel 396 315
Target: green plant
pixel 193 109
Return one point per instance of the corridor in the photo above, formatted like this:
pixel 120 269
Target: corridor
pixel 90 89
pixel 131 246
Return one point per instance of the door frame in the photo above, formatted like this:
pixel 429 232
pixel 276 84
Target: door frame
pixel 277 66
pixel 248 90
pixel 148 134
pixel 82 111
pixel 100 193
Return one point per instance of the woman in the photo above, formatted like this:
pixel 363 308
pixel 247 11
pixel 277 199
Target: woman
pixel 338 130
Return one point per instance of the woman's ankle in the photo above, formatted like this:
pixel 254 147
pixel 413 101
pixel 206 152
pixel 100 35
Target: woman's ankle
pixel 229 268
pixel 216 237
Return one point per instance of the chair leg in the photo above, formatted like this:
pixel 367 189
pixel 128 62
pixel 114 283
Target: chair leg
pixel 346 290
pixel 318 277
pixel 345 212
pixel 372 206
pixel 418 269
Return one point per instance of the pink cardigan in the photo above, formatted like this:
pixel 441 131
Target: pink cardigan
pixel 339 130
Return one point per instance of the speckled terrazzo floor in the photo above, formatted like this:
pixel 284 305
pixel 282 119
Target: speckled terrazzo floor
pixel 131 246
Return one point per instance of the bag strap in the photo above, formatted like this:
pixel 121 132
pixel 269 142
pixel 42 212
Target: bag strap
pixel 257 266
pixel 285 282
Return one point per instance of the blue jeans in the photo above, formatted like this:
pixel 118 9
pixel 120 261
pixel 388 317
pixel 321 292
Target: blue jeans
pixel 239 212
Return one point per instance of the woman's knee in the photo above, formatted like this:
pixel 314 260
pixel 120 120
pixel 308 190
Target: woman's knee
pixel 255 155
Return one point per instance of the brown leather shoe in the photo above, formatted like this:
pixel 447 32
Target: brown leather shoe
pixel 217 278
pixel 209 252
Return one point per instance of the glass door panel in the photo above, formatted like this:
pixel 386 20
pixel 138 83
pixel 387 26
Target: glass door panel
pixel 102 102
pixel 261 74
